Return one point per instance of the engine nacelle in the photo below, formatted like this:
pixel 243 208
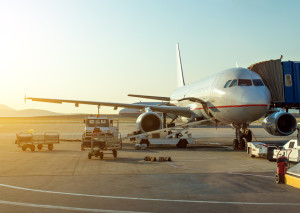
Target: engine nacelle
pixel 280 124
pixel 149 121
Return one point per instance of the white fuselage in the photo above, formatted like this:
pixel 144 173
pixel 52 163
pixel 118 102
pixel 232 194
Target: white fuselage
pixel 239 104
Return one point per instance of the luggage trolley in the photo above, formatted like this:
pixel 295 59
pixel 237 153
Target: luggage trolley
pixel 30 140
pixel 104 144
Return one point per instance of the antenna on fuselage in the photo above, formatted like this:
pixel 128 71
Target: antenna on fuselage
pixel 180 78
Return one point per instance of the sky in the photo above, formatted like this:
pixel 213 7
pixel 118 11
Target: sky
pixel 102 50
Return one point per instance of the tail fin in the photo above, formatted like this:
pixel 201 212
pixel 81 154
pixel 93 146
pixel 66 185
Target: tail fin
pixel 180 78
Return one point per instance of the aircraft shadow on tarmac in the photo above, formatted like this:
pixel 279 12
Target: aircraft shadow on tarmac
pixel 56 151
pixel 123 160
pixel 145 151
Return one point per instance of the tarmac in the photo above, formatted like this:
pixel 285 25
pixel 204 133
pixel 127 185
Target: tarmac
pixel 206 177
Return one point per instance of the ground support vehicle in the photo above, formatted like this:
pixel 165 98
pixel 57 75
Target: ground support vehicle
pixel 257 149
pixel 270 151
pixel 101 144
pixel 180 140
pixel 291 149
pixel 34 140
pixel 177 135
pixel 103 125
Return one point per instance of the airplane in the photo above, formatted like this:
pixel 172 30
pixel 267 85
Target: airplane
pixel 236 97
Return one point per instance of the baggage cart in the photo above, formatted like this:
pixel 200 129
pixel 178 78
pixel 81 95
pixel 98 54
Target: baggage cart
pixel 33 140
pixel 101 144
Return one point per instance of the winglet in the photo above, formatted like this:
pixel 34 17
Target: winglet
pixel 25 98
pixel 180 78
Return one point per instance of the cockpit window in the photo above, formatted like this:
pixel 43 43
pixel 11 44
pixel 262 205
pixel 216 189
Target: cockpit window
pixel 257 82
pixel 245 82
pixel 233 83
pixel 227 84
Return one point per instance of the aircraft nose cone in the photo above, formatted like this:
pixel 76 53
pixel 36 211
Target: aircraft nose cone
pixel 256 103
pixel 256 97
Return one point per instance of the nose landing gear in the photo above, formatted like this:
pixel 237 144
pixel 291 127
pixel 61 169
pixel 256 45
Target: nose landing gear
pixel 242 135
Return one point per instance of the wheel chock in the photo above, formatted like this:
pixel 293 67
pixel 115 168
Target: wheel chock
pixel 147 158
pixel 161 159
pixel 153 159
pixel 165 159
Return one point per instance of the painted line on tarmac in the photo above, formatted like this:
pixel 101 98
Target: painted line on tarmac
pixel 152 199
pixel 233 173
pixel 62 207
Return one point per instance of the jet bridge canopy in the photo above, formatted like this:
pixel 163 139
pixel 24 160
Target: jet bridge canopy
pixel 272 75
pixel 283 81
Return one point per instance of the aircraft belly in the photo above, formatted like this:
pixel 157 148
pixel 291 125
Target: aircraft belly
pixel 239 113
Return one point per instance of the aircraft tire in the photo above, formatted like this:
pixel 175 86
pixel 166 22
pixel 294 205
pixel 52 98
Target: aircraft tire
pixel 145 141
pixel 182 143
pixel 101 155
pixel 115 153
pixel 39 146
pixel 235 144
pixel 50 146
pixel 248 135
pixel 32 148
pixel 89 156
pixel 242 143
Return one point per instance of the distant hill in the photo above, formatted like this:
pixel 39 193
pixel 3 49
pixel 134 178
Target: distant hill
pixel 6 111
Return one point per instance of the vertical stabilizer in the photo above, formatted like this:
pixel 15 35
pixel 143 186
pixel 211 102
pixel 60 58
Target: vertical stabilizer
pixel 180 78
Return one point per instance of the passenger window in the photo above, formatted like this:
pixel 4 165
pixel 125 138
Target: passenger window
pixel 245 82
pixel 257 82
pixel 288 80
pixel 227 84
pixel 233 83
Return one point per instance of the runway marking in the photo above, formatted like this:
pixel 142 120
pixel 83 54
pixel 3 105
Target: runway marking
pixel 61 207
pixel 234 173
pixel 152 199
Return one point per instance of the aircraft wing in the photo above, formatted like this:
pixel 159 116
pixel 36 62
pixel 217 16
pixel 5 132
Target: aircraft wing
pixel 180 111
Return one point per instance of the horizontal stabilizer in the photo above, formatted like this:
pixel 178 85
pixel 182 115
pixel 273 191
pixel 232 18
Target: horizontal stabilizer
pixel 151 97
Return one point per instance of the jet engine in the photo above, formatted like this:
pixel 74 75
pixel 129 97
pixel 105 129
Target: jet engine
pixel 149 121
pixel 280 124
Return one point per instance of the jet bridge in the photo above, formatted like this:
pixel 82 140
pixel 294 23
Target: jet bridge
pixel 283 80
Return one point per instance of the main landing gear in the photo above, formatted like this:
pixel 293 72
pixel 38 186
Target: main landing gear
pixel 242 135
